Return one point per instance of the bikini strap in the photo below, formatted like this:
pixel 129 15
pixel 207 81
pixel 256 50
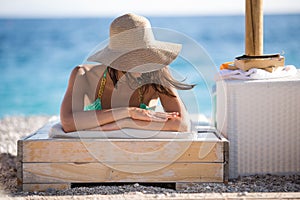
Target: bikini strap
pixel 141 100
pixel 102 84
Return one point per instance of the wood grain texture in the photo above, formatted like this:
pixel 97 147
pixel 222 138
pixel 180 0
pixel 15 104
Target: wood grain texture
pixel 121 151
pixel 19 163
pixel 56 163
pixel 247 64
pixel 226 162
pixel 254 27
pixel 97 172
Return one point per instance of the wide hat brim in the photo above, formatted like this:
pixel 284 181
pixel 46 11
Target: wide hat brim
pixel 152 56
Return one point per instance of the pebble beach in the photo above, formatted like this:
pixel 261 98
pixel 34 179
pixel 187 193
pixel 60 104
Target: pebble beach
pixel 14 128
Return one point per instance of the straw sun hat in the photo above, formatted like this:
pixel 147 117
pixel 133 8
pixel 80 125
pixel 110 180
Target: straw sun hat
pixel 132 47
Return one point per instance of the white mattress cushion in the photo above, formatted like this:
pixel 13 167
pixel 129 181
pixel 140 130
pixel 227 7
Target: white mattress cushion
pixel 56 131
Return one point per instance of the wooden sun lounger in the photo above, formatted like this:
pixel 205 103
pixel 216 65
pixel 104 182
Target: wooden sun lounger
pixel 45 162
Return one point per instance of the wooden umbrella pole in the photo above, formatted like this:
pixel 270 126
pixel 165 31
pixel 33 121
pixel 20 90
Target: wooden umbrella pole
pixel 254 28
pixel 254 57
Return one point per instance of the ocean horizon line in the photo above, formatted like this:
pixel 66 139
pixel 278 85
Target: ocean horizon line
pixel 15 17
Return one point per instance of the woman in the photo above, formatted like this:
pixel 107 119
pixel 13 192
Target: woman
pixel 121 91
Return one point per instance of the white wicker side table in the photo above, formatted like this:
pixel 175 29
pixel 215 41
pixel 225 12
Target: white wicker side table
pixel 261 120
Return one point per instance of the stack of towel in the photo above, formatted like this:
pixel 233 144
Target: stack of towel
pixel 255 73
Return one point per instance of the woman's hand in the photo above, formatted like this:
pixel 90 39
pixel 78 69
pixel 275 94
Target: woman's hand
pixel 150 115
pixel 141 115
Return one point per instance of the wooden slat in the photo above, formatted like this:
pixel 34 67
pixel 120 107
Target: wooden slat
pixel 44 186
pixel 97 172
pixel 19 166
pixel 20 150
pixel 121 151
pixel 19 163
pixel 226 162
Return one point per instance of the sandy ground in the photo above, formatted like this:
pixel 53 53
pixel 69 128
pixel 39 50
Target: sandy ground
pixel 252 187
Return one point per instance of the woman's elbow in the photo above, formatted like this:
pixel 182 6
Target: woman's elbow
pixel 67 122
pixel 179 124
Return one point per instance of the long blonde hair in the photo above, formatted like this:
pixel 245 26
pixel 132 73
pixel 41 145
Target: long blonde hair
pixel 160 80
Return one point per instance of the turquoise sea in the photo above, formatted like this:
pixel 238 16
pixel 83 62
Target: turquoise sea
pixel 37 55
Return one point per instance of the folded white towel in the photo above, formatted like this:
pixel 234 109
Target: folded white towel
pixel 57 132
pixel 256 73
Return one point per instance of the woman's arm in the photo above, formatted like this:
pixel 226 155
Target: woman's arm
pixel 74 118
pixel 85 120
pixel 71 113
pixel 174 104
pixel 172 124
pixel 178 119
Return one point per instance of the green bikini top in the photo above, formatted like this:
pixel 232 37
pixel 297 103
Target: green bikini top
pixel 96 105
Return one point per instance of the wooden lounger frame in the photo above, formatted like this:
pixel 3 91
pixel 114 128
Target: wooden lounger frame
pixel 45 162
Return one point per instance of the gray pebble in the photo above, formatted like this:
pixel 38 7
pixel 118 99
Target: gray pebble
pixel 136 185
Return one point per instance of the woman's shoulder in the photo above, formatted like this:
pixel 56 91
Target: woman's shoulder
pixel 86 69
